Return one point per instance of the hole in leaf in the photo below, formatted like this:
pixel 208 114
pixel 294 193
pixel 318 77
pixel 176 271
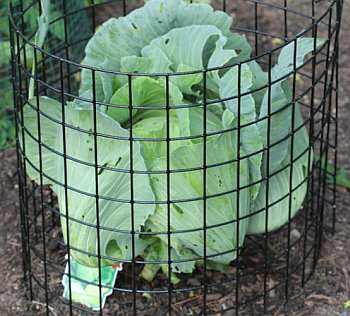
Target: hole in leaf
pixel 118 161
pixel 178 209
pixel 102 168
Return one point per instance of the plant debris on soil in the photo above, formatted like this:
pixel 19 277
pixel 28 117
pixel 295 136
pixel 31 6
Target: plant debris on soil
pixel 323 295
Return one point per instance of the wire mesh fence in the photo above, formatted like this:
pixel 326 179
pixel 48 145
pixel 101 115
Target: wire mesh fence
pixel 185 151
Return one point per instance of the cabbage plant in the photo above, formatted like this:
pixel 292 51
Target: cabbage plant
pixel 206 90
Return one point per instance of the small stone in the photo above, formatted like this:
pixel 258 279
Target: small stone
pixel 295 234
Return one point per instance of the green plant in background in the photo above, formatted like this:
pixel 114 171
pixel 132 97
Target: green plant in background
pixel 7 129
pixel 342 178
pixel 7 133
pixel 57 34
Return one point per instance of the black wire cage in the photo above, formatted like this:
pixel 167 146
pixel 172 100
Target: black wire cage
pixel 205 207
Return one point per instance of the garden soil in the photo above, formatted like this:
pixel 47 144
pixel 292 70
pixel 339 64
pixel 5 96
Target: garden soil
pixel 323 295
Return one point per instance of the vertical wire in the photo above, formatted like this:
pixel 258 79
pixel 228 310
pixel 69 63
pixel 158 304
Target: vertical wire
pixel 322 176
pixel 65 171
pixel 315 214
pixel 329 122
pixel 256 18
pixel 168 193
pixel 43 221
pixel 93 16
pixel 132 202
pixel 26 197
pixel 97 198
pixel 44 78
pixel 35 209
pixel 124 7
pixel 24 48
pixel 35 212
pixel 237 296
pixel 66 44
pixel 224 5
pixel 205 285
pixel 310 163
pixel 334 215
pixel 329 116
pixel 291 168
pixel 267 181
pixel 43 59
pixel 285 20
pixel 334 202
pixel 19 156
pixel 25 191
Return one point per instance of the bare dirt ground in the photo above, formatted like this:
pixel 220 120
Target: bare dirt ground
pixel 324 294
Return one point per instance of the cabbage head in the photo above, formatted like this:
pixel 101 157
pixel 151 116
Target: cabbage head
pixel 175 81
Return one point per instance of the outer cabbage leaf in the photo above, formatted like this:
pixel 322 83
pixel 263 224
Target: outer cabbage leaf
pixel 279 184
pixel 221 207
pixel 229 90
pixel 251 140
pixel 285 63
pixel 260 82
pixel 279 198
pixel 50 118
pixel 281 99
pixel 280 121
pixel 113 185
pixel 239 43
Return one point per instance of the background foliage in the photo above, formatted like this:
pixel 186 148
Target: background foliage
pixel 7 132
pixel 57 34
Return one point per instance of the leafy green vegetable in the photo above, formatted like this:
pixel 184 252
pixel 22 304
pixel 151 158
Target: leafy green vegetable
pixel 168 115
